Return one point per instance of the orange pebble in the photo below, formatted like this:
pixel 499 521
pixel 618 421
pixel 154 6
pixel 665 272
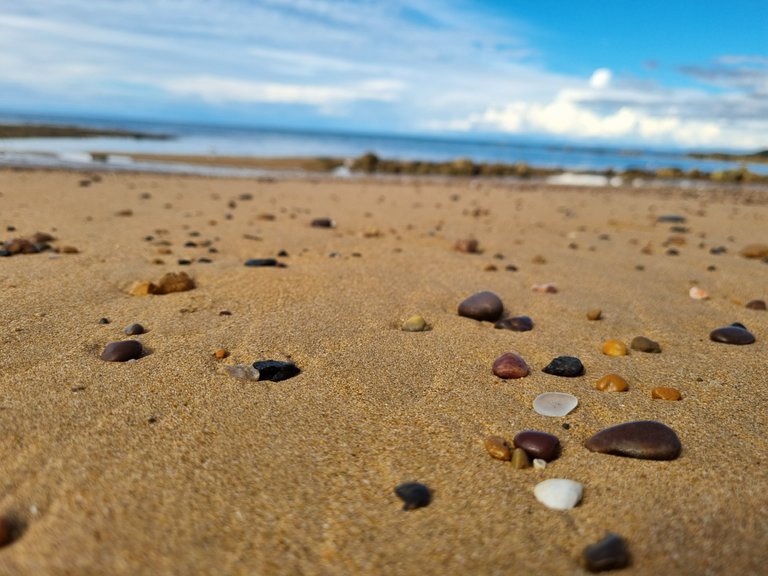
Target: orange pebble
pixel 614 348
pixel 612 383
pixel 664 393
pixel 221 354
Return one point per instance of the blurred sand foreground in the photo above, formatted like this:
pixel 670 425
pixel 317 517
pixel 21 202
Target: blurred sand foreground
pixel 167 465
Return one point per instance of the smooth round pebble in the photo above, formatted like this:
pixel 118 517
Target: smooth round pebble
pixel 643 344
pixel 559 493
pixel 510 365
pixel 498 448
pixel 520 459
pixel 538 444
pixel 567 366
pixel 733 334
pixel 482 306
pixel 515 323
pixel 220 353
pixel 698 293
pixel 594 314
pixel 612 383
pixel 644 439
pixel 556 404
pixel 414 495
pixel 614 348
pixel 134 330
pixel 665 393
pixel 610 553
pixel 756 305
pixel 415 324
pixel 122 351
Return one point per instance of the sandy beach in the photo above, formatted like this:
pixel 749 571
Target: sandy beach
pixel 169 465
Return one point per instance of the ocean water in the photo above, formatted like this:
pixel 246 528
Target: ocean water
pixel 247 141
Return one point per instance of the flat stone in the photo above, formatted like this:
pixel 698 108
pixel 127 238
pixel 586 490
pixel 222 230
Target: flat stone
pixel 567 366
pixel 415 324
pixel 498 448
pixel 612 383
pixel 645 439
pixel 754 251
pixel 242 372
pixel 644 344
pixel 414 495
pixel 610 553
pixel 122 351
pixel 142 288
pixel 263 262
pixel 559 493
pixel 276 370
pixel 665 393
pixel 555 404
pixel 733 334
pixel 510 365
pixel 515 323
pixel 482 306
pixel 756 305
pixel 538 444
pixel 614 348
pixel 520 459
pixel 671 219
pixel 134 330
pixel 323 223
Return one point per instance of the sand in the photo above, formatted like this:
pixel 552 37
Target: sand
pixel 167 465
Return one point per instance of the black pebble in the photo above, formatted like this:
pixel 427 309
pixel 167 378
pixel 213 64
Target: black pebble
pixel 511 267
pixel 323 223
pixel 103 320
pixel 718 250
pixel 184 262
pixel 282 253
pixel 516 324
pixel 413 495
pixel 610 553
pixel 671 219
pixel 259 262
pixel 568 366
pixel 134 330
pixel 275 370
pixel 736 334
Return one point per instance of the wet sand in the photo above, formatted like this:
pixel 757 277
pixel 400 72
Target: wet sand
pixel 167 465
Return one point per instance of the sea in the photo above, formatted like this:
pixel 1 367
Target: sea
pixel 232 140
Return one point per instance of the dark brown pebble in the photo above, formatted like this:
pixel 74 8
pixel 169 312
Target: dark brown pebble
pixel 733 334
pixel 645 439
pixel 10 530
pixel 482 306
pixel 414 495
pixel 122 351
pixel 510 365
pixel 103 320
pixel 538 444
pixel 756 305
pixel 134 330
pixel 610 553
pixel 467 245
pixel 515 323
pixel 644 344
pixel 323 223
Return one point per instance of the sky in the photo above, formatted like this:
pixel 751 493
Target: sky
pixel 677 74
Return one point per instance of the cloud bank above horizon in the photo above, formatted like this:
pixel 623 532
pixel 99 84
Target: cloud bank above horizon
pixel 438 66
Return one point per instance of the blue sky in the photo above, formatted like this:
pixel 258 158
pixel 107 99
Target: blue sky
pixel 676 73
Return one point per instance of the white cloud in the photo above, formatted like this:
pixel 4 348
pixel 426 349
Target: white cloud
pixel 600 78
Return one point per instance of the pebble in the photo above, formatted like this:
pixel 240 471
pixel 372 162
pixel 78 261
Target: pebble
pixel 559 493
pixel 612 383
pixel 498 448
pixel 510 365
pixel 756 305
pixel 538 444
pixel 242 372
pixel 103 320
pixel 645 439
pixel 546 288
pixel 134 330
pixel 323 223
pixel 263 262
pixel 276 370
pixel 414 495
pixel 520 459
pixel 122 351
pixel 733 334
pixel 415 324
pixel 539 464
pixel 610 553
pixel 643 344
pixel 594 314
pixel 614 348
pixel 698 293
pixel 515 323
pixel 467 245
pixel 220 353
pixel 754 251
pixel 665 393
pixel 10 530
pixel 555 404
pixel 671 219
pixel 482 306
pixel 568 366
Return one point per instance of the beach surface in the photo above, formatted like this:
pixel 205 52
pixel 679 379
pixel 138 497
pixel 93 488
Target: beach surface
pixel 169 465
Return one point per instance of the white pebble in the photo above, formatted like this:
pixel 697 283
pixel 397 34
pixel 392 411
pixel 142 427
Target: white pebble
pixel 698 293
pixel 539 463
pixel 555 404
pixel 242 371
pixel 558 493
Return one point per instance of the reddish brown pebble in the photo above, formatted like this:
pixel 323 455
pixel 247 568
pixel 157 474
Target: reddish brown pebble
pixel 612 383
pixel 9 531
pixel 221 353
pixel 664 393
pixel 482 306
pixel 757 305
pixel 498 448
pixel 510 365
pixel 122 351
pixel 467 245
pixel 645 439
pixel 538 444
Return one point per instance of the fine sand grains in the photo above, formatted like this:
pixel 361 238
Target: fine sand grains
pixel 166 464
